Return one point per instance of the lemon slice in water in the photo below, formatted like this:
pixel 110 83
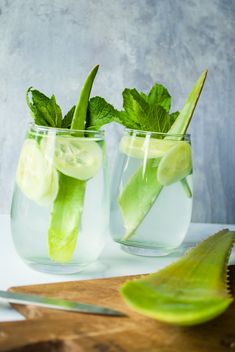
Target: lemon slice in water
pixel 36 177
pixel 141 148
pixel 176 164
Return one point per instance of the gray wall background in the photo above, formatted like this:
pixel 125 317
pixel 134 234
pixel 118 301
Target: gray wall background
pixel 52 44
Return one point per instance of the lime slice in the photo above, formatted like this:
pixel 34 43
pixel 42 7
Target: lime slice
pixel 76 157
pixel 141 148
pixel 175 165
pixel 36 177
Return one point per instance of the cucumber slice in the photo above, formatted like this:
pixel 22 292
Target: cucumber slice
pixel 76 157
pixel 36 177
pixel 141 148
pixel 175 165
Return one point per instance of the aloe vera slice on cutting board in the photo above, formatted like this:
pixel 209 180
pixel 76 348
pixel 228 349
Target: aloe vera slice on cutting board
pixel 190 291
pixel 147 193
pixel 68 206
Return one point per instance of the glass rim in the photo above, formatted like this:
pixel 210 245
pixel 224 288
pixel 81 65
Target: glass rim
pixel 187 135
pixel 65 130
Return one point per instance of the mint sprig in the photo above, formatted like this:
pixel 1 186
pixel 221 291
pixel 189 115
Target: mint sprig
pixel 158 95
pixel 67 120
pixel 149 112
pixel 100 113
pixel 45 111
pixel 146 112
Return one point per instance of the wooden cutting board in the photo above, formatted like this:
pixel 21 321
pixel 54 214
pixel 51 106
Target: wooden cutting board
pixel 57 331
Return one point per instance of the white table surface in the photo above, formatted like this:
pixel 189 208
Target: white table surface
pixel 113 262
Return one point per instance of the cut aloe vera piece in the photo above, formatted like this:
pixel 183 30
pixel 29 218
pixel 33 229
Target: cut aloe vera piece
pixel 186 187
pixel 134 206
pixel 182 122
pixel 142 148
pixel 190 291
pixel 76 157
pixel 145 191
pixel 65 219
pixel 175 165
pixel 80 113
pixel 68 206
pixel 36 177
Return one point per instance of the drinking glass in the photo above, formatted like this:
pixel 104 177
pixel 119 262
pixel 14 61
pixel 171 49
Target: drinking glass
pixel 151 200
pixel 59 213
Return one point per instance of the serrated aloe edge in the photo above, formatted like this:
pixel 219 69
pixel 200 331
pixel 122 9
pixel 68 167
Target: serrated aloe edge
pixel 134 208
pixel 191 291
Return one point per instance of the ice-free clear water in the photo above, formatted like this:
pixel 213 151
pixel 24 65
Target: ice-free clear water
pixel 30 222
pixel 165 225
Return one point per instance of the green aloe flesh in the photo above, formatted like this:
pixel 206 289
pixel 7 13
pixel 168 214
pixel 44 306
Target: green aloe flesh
pixel 136 205
pixel 68 206
pixel 191 291
pixel 186 188
pixel 65 218
pixel 128 203
pixel 182 122
pixel 80 113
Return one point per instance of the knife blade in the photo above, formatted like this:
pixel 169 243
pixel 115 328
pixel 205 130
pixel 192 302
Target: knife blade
pixel 55 303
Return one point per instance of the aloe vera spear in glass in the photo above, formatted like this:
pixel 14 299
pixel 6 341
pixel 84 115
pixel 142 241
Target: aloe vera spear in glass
pixel 150 188
pixel 68 205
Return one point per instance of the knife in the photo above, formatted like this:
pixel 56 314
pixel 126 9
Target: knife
pixel 55 303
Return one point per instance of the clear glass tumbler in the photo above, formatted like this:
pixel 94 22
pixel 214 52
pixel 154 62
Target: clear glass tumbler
pixel 151 200
pixel 59 213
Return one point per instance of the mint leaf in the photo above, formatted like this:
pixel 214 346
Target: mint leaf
pixel 44 110
pixel 100 113
pixel 124 119
pixel 67 120
pixel 40 103
pixel 135 105
pixel 36 114
pixel 156 120
pixel 159 95
pixel 174 116
pixel 147 112
pixel 55 111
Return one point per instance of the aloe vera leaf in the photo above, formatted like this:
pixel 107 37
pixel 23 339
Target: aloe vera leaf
pixel 135 205
pixel 190 291
pixel 68 206
pixel 65 218
pixel 183 120
pixel 128 204
pixel 80 112
pixel 186 187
